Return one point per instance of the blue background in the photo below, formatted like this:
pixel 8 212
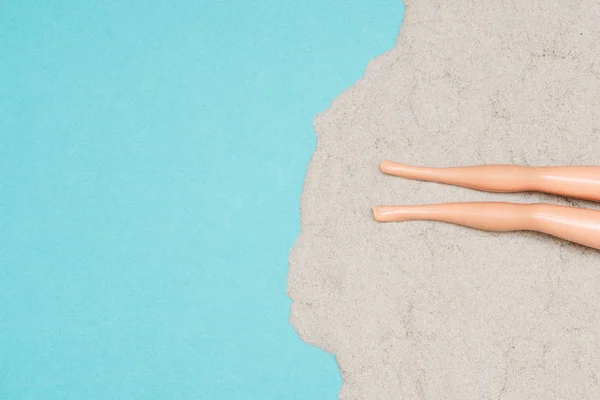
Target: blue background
pixel 152 156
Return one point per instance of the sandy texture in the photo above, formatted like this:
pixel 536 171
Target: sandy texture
pixel 426 310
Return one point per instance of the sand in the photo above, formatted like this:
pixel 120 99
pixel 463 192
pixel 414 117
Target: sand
pixel 426 310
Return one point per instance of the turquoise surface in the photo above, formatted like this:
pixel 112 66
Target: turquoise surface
pixel 152 156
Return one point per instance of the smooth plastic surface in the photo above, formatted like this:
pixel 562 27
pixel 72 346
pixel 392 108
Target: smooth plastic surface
pixel 580 181
pixel 577 225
